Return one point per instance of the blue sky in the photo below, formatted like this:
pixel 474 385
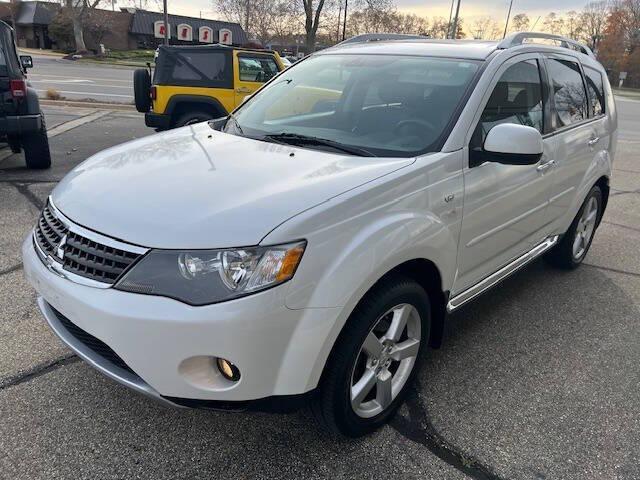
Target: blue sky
pixel 468 8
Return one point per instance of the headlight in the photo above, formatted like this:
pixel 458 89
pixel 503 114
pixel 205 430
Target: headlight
pixel 200 277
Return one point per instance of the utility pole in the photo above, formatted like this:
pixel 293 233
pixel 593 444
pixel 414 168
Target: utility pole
pixel 339 17
pixel 247 13
pixel 344 25
pixel 506 25
pixel 166 22
pixel 450 15
pixel 454 30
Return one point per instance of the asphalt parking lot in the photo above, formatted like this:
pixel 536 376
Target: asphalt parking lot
pixel 539 379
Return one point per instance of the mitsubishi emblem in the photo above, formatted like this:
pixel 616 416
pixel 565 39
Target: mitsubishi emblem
pixel 60 249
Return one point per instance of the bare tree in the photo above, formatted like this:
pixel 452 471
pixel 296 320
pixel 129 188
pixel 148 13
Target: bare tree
pixel 553 23
pixel 312 16
pixel 485 28
pixel 593 19
pixel 78 10
pixel 572 27
pixel 520 23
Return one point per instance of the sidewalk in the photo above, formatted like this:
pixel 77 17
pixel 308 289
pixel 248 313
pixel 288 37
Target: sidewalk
pixel 39 51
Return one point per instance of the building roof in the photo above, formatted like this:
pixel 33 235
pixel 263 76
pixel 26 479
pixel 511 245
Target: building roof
pixel 37 13
pixel 143 20
pixel 477 50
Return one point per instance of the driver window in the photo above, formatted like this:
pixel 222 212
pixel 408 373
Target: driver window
pixel 516 98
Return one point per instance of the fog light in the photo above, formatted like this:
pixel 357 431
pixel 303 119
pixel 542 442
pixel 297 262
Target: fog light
pixel 228 370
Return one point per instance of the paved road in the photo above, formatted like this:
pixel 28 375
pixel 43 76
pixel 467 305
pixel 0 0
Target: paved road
pixel 537 380
pixel 77 81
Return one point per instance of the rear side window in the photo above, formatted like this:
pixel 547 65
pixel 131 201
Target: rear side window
pixel 595 87
pixel 568 92
pixel 194 68
pixel 516 98
pixel 257 69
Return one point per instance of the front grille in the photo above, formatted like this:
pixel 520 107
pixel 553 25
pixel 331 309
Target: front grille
pixel 78 254
pixel 97 346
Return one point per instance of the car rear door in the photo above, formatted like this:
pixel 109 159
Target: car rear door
pixel 505 205
pixel 575 131
pixel 251 70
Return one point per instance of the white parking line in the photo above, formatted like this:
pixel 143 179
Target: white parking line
pixel 88 83
pixel 78 78
pixel 99 94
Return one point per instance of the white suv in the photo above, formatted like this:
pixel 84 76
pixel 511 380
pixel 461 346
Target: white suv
pixel 311 249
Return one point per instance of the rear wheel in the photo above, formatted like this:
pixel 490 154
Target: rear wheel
pixel 189 118
pixel 36 148
pixel 375 359
pixel 573 247
pixel 14 144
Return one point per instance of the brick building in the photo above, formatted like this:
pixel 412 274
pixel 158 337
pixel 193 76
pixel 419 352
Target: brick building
pixel 124 29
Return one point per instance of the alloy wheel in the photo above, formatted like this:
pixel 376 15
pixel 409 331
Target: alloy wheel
pixel 585 228
pixel 385 360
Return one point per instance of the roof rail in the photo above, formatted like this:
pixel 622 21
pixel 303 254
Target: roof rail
pixel 519 38
pixel 379 37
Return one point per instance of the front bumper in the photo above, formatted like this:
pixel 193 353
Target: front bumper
pixel 17 124
pixel 170 346
pixel 157 120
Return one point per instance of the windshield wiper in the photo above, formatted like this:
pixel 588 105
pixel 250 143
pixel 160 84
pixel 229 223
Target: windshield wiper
pixel 297 139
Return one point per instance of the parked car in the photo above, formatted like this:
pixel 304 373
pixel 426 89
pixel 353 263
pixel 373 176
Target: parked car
pixel 308 248
pixel 195 84
pixel 22 123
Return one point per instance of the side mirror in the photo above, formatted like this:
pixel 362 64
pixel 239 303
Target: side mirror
pixel 512 144
pixel 26 61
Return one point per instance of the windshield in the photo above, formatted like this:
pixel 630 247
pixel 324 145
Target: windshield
pixel 386 105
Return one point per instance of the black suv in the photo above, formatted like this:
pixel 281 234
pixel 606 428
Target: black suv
pixel 22 123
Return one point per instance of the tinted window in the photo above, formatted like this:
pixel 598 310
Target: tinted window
pixel 516 98
pixel 257 69
pixel 595 88
pixel 569 96
pixel 389 105
pixel 193 67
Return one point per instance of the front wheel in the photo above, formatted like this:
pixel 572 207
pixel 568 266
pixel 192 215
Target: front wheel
pixel 375 358
pixel 573 247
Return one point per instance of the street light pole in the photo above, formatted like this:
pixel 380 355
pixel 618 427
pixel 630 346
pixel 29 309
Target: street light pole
pixel 344 25
pixel 506 25
pixel 450 15
pixel 454 30
pixel 166 22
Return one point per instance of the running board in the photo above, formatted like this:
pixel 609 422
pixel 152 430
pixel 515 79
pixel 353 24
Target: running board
pixel 501 274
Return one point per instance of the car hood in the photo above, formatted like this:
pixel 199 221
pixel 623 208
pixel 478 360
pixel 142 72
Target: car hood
pixel 198 188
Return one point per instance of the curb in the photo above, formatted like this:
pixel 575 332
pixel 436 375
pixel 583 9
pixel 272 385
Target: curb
pixel 97 105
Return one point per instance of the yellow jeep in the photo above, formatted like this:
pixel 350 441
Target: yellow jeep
pixel 196 83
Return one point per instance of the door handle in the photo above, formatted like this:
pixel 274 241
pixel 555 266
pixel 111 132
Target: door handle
pixel 544 166
pixel 243 90
pixel 593 141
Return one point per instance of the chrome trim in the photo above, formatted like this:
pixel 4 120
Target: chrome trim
pixel 501 274
pixel 96 237
pixel 505 225
pixel 55 266
pixel 99 363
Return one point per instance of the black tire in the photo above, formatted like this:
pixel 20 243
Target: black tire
pixel 562 255
pixel 36 148
pixel 14 144
pixel 142 89
pixel 331 406
pixel 189 118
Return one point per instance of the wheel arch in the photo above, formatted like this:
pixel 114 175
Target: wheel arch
pixel 180 104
